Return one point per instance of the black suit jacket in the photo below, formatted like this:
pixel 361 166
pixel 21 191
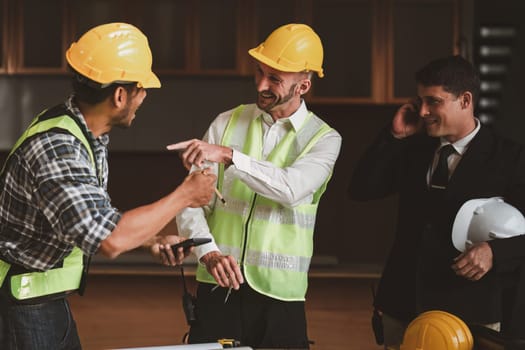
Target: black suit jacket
pixel 418 275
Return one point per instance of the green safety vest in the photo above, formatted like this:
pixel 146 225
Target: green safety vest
pixel 273 243
pixel 26 286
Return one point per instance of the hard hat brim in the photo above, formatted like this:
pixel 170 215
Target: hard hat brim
pixel 151 82
pixel 261 58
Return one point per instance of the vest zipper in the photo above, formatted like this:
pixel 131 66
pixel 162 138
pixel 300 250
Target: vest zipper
pixel 243 252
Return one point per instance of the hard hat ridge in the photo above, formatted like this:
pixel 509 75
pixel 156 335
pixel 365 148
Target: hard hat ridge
pixel 113 53
pixel 291 48
pixel 437 330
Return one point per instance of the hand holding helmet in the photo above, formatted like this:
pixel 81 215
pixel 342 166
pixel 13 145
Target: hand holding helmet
pixel 480 220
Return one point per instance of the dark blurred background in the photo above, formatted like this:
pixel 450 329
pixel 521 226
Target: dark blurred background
pixel 200 49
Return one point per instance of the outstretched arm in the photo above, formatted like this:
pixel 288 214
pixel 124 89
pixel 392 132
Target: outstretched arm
pixel 140 224
pixel 288 186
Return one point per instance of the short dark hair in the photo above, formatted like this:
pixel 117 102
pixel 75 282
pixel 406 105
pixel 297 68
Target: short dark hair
pixel 90 92
pixel 454 73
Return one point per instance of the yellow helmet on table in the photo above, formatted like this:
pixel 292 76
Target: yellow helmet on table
pixel 113 53
pixel 437 330
pixel 291 48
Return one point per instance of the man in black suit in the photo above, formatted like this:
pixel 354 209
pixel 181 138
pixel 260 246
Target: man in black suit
pixel 424 271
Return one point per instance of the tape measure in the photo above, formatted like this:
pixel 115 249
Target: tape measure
pixel 229 343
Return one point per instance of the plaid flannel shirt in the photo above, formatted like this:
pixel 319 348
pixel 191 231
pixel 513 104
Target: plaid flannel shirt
pixel 51 199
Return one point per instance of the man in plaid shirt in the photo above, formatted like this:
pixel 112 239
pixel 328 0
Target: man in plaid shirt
pixel 54 205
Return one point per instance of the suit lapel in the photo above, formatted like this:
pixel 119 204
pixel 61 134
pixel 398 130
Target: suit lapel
pixel 472 162
pixel 421 159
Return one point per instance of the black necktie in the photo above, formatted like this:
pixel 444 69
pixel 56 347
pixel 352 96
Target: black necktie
pixel 440 175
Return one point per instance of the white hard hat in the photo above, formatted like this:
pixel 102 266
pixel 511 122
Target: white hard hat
pixel 483 219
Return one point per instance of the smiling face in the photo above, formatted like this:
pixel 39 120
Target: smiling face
pixel 444 114
pixel 279 93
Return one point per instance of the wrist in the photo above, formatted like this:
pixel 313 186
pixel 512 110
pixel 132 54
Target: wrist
pixel 205 259
pixel 398 136
pixel 228 156
pixel 181 196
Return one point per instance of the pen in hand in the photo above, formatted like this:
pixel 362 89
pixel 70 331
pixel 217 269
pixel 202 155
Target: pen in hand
pixel 182 145
pixel 219 194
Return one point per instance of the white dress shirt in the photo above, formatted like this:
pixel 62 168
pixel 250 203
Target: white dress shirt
pixel 460 147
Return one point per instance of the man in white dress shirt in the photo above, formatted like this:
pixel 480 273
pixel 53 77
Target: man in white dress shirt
pixel 273 160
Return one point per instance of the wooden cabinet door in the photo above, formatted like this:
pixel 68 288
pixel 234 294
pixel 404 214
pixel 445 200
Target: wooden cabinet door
pixel 3 36
pixel 418 31
pixel 347 32
pixel 371 47
pixel 39 35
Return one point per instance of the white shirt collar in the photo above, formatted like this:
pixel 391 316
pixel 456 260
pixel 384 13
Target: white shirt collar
pixel 461 145
pixel 297 119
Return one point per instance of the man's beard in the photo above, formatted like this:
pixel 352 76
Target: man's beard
pixel 277 101
pixel 124 121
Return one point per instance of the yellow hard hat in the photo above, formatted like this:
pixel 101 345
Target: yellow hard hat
pixel 437 330
pixel 114 52
pixel 291 48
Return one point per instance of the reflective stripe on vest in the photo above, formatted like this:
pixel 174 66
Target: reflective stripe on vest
pixel 36 284
pixel 4 267
pixel 267 213
pixel 269 260
pixel 65 278
pixel 273 243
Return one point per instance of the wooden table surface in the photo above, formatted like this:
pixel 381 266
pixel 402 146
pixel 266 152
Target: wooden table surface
pixel 119 311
